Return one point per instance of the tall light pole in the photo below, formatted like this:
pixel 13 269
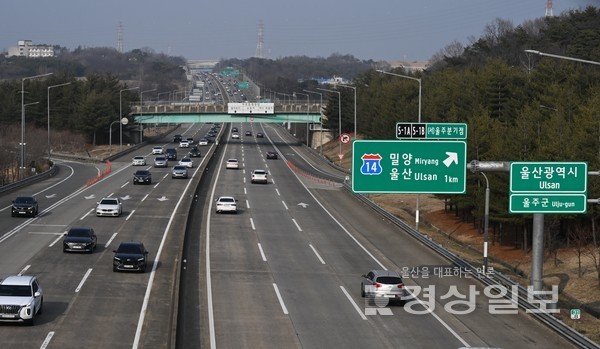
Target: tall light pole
pixel 562 57
pixel 48 98
pixel 22 167
pixel 321 116
pixel 419 81
pixel 24 106
pixel 339 119
pixel 141 111
pixel 354 88
pixel 121 114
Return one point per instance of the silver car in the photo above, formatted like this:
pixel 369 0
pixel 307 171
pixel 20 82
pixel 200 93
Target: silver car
pixel 109 207
pixel 21 299
pixel 161 161
pixel 383 283
pixel 259 176
pixel 179 172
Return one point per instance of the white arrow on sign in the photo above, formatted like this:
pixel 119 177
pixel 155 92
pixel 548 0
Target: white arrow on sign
pixel 452 157
pixel 126 197
pixel 303 205
pixel 50 196
pixel 90 197
pixel 162 199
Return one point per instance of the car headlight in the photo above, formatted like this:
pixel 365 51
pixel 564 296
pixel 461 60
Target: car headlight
pixel 117 259
pixel 141 259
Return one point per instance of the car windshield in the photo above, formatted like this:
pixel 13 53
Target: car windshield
pixel 138 158
pixel 160 159
pixel 129 248
pixel 15 290
pixel 24 200
pixel 389 280
pixel 232 160
pixel 259 172
pixel 226 200
pixel 78 233
pixel 179 168
pixel 108 202
pixel 142 173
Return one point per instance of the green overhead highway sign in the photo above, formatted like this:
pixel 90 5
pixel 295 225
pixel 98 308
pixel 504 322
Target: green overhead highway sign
pixel 389 166
pixel 431 130
pixel 548 203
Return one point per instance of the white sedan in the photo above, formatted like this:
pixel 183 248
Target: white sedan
pixel 187 162
pixel 259 176
pixel 139 161
pixel 226 204
pixel 157 150
pixel 232 164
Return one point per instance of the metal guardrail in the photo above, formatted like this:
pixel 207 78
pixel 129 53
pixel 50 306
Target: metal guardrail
pixel 498 279
pixel 29 180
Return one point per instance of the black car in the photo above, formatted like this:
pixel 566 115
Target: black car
pixel 259 135
pixel 177 139
pixel 142 176
pixel 272 155
pixel 131 255
pixel 234 129
pixel 24 206
pixel 248 133
pixel 171 153
pixel 80 240
pixel 195 153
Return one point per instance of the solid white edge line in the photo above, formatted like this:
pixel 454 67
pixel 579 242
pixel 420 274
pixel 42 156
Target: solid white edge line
pixel 47 340
pixel 285 311
pixel 87 273
pixel 262 253
pixel 297 226
pixel 60 236
pixel 110 240
pixel 24 269
pixel 277 191
pixel 140 324
pixel 317 253
pixel 284 205
pixel 353 303
pixel 129 215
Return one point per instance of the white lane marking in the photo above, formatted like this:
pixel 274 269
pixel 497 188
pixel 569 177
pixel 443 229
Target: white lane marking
pixel 297 226
pixel 140 324
pixel 285 311
pixel 252 224
pixel 247 203
pixel 110 240
pixel 277 191
pixel 89 271
pixel 245 191
pixel 317 253
pixel 244 180
pixel 47 225
pixel 122 186
pixel 86 214
pixel 262 253
pixel 363 316
pixel 129 215
pixel 111 194
pixel 47 340
pixel 56 240
pixel 144 198
pixel 156 185
pixel 284 205
pixel 24 269
pixel 272 180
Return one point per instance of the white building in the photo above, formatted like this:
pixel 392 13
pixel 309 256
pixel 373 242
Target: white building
pixel 26 48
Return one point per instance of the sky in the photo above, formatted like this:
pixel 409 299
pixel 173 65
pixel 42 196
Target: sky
pixel 198 29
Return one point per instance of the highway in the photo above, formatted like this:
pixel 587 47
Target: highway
pixel 282 273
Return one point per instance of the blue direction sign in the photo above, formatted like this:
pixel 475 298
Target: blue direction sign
pixel 437 167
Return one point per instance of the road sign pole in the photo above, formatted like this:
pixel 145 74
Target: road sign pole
pixel 537 259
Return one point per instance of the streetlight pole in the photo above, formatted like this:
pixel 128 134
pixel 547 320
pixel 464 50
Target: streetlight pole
pixel 48 98
pixel 321 116
pixel 339 119
pixel 141 112
pixel 562 57
pixel 121 115
pixel 307 111
pixel 110 136
pixel 486 220
pixel 354 88
pixel 419 81
pixel 23 116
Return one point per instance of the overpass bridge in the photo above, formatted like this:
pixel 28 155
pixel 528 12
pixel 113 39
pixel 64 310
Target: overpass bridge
pixel 169 113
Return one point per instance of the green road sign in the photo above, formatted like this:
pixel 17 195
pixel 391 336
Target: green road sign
pixel 431 130
pixel 389 166
pixel 548 177
pixel 548 203
pixel 575 314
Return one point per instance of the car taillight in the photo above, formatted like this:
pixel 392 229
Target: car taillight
pixel 400 285
pixel 377 284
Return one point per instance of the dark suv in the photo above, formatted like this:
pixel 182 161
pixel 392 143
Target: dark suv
pixel 171 153
pixel 177 139
pixel 142 176
pixel 130 255
pixel 24 206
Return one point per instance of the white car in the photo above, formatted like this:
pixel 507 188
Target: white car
pixel 187 162
pixel 226 204
pixel 203 141
pixel 259 176
pixel 233 164
pixel 109 207
pixel 139 161
pixel 157 150
pixel 184 144
pixel 235 135
pixel 21 299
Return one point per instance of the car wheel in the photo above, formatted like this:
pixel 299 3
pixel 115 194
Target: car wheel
pixel 134 183
pixel 114 268
pixel 41 309
pixel 31 321
pixel 362 290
